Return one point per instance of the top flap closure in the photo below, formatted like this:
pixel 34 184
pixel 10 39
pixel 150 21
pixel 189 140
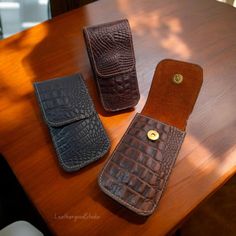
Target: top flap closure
pixel 111 48
pixel 64 100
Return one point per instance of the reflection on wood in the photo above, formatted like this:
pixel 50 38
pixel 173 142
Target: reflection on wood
pixel 56 48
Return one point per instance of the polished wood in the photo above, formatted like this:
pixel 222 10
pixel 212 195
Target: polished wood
pixel 201 32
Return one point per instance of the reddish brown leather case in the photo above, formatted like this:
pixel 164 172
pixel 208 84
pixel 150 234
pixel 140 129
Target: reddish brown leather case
pixel 111 54
pixel 140 166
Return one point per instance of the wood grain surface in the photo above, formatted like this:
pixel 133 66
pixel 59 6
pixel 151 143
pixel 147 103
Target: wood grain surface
pixel 202 32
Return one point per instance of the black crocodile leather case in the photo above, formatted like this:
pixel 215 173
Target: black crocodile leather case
pixel 77 132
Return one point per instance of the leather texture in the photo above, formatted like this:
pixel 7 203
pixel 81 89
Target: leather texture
pixel 137 172
pixel 169 102
pixel 111 54
pixel 77 132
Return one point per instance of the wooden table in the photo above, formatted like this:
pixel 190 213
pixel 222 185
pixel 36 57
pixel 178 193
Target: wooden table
pixel 202 32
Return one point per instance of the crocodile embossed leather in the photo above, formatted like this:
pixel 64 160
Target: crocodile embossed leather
pixel 111 54
pixel 77 132
pixel 138 170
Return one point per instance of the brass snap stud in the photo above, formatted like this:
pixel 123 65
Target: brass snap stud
pixel 153 135
pixel 178 78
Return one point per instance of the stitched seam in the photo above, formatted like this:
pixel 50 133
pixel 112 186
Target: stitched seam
pixel 55 142
pixel 84 163
pixel 92 54
pixel 111 194
pixel 137 210
pixel 88 45
pixel 69 120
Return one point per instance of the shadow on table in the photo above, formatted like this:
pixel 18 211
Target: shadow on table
pixel 211 131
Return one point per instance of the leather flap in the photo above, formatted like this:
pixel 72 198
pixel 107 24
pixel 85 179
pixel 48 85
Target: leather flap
pixel 64 100
pixel 174 101
pixel 111 48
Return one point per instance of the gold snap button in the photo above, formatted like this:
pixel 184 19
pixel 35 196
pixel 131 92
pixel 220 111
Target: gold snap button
pixel 153 135
pixel 178 78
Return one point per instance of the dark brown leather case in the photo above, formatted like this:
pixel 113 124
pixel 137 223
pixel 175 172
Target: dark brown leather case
pixel 111 54
pixel 140 166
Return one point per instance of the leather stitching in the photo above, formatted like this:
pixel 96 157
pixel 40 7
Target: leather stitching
pixel 135 209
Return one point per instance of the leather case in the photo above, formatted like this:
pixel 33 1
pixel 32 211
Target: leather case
pixel 111 54
pixel 76 130
pixel 140 166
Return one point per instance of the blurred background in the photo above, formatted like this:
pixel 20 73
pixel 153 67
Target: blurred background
pixel 18 15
